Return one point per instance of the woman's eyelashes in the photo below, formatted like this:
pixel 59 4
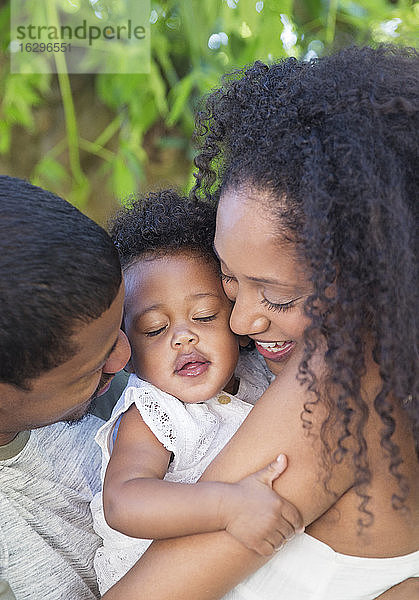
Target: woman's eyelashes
pixel 283 306
pixel 229 286
pixel 225 278
pixel 279 306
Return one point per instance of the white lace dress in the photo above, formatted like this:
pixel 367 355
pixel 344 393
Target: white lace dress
pixel 194 433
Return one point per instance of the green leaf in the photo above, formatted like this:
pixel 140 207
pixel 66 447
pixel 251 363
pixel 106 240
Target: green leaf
pixel 4 137
pixel 180 95
pixel 123 181
pixel 158 88
pixel 49 170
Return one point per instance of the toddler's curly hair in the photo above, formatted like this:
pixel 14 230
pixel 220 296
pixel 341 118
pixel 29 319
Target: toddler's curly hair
pixel 163 223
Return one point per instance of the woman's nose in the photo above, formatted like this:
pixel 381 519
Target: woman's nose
pixel 119 355
pixel 184 337
pixel 245 320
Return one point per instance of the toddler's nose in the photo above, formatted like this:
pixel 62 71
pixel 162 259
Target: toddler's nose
pixel 184 338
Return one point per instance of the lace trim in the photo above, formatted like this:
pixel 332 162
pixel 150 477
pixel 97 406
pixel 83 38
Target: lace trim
pixel 158 420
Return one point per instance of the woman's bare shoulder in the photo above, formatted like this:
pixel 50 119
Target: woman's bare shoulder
pixel 288 419
pixel 276 425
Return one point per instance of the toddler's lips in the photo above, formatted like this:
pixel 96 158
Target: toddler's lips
pixel 191 365
pixel 192 369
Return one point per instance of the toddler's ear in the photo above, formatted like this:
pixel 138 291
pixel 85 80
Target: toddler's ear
pixel 244 340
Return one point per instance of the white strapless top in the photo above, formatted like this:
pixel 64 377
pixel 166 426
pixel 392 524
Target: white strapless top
pixel 308 569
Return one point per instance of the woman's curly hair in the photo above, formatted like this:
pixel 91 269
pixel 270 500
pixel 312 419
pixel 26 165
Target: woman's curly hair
pixel 335 142
pixel 163 223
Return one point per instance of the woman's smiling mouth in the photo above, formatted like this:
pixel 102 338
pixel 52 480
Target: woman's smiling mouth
pixel 274 350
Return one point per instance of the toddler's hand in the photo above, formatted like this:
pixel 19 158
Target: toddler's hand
pixel 258 517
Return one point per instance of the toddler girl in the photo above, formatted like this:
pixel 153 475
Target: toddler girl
pixel 188 394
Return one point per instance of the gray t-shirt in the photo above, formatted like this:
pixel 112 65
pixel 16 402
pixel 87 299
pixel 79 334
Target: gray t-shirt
pixel 47 479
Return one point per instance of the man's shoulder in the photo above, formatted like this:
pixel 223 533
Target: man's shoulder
pixel 64 445
pixel 80 432
pixel 48 439
pixel 71 437
pixel 57 455
pixel 45 519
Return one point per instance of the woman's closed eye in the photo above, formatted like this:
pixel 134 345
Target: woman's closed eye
pixel 280 306
pixel 229 284
pixel 225 278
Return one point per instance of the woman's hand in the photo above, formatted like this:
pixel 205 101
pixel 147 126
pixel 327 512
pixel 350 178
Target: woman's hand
pixel 258 517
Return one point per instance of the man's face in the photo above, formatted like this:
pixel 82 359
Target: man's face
pixel 65 392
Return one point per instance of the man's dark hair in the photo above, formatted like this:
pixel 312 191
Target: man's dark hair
pixel 58 269
pixel 333 142
pixel 163 223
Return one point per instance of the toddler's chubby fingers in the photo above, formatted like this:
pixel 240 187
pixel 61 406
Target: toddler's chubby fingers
pixel 277 540
pixel 265 548
pixel 293 518
pixel 272 471
pixel 286 529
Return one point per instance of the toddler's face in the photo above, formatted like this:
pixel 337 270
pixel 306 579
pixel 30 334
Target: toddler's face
pixel 177 321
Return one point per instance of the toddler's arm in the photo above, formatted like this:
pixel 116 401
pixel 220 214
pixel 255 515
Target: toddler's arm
pixel 140 504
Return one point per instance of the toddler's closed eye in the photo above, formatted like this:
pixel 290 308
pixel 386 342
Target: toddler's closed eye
pixel 155 332
pixel 205 319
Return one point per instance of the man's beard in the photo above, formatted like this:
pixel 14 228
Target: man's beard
pixel 81 413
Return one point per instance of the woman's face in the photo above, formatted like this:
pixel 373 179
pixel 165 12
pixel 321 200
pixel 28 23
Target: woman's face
pixel 261 275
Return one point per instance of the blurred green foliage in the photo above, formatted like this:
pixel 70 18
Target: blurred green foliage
pixel 193 42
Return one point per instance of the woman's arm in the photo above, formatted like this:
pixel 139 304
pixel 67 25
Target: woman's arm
pixel 140 504
pixel 406 590
pixel 207 566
